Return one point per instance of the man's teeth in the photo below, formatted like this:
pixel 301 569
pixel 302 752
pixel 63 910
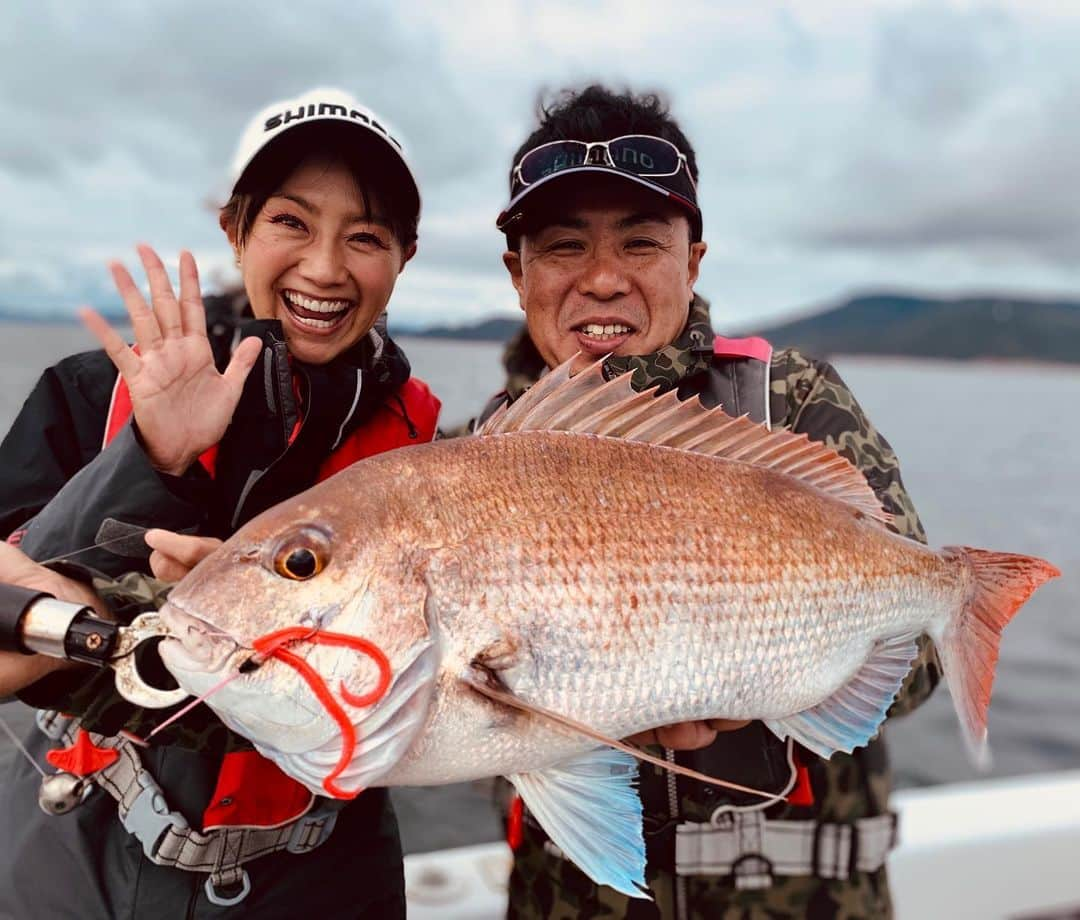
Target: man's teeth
pixel 596 331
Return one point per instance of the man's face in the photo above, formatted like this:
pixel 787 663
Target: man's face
pixel 610 269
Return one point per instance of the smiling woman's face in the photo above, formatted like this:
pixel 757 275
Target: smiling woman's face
pixel 321 260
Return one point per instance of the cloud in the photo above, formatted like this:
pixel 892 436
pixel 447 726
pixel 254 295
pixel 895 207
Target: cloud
pixel 938 63
pixel 840 143
pixel 970 139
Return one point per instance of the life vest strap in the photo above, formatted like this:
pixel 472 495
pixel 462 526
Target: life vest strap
pixel 165 835
pixel 750 347
pixel 755 849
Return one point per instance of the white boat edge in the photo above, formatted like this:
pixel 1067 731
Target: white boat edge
pixel 994 850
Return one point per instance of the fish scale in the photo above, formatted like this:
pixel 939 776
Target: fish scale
pixel 553 584
pixel 541 581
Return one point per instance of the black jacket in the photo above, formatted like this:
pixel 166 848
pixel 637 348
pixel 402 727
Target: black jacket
pixel 53 456
pixel 57 490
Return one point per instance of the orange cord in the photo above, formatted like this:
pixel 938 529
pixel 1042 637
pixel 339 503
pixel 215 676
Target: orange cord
pixel 273 645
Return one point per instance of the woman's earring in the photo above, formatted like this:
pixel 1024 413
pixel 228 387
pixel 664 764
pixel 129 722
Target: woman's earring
pixel 237 259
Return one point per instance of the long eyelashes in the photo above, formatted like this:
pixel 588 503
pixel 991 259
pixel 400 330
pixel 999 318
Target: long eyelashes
pixel 288 220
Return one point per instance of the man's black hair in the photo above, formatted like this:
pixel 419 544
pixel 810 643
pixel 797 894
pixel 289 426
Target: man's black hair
pixel 596 113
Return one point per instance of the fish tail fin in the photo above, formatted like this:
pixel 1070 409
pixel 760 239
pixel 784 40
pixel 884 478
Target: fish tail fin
pixel 970 640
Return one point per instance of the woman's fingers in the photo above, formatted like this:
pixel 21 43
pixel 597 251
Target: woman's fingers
pixel 19 569
pixel 169 318
pixel 166 307
pixel 685 736
pixel 192 311
pixel 126 361
pixel 242 361
pixel 176 554
pixel 166 568
pixel 143 322
pixel 688 736
pixel 727 725
pixel 184 549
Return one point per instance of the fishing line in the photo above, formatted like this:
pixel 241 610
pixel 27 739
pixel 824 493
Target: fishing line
pixel 63 557
pixel 15 740
pixel 195 702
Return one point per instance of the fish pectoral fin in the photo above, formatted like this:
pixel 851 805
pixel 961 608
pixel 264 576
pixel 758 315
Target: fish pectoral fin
pixel 499 655
pixel 484 681
pixel 590 808
pixel 853 714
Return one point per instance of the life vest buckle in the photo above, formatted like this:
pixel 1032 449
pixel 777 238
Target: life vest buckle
pixel 313 829
pixel 226 900
pixel 148 818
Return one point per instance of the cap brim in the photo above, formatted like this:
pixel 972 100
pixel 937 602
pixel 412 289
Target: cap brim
pixel 514 209
pixel 329 119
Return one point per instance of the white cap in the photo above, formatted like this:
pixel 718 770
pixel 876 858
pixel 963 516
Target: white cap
pixel 316 106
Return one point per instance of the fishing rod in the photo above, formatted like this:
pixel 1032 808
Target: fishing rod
pixel 36 622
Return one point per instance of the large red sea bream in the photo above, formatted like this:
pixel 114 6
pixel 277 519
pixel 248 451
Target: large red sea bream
pixel 594 558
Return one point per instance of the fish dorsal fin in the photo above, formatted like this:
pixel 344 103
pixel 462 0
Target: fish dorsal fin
pixel 588 404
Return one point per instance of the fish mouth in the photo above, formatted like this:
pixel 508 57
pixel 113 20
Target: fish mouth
pixel 231 679
pixel 299 711
pixel 196 645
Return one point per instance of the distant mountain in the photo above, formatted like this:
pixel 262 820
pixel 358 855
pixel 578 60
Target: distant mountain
pixel 493 329
pixel 970 327
pixel 51 315
pixel 897 324
pixel 992 327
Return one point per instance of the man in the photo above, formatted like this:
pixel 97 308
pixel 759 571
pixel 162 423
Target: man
pixel 604 243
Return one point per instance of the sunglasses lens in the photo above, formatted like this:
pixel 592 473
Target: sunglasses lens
pixel 644 156
pixel 551 158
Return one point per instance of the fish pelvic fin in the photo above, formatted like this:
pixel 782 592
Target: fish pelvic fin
pixel 970 641
pixel 590 808
pixel 587 403
pixel 852 715
pixel 481 681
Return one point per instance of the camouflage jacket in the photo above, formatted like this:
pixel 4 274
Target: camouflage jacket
pixel 805 396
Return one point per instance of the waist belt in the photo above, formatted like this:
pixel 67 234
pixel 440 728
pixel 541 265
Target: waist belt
pixel 165 835
pixel 753 849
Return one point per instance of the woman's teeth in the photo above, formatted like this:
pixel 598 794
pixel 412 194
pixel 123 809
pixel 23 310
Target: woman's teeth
pixel 596 331
pixel 301 306
pixel 314 323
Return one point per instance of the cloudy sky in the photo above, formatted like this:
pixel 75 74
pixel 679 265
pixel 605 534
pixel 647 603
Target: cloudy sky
pixel 842 145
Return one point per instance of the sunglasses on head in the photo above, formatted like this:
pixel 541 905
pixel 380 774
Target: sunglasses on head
pixel 640 154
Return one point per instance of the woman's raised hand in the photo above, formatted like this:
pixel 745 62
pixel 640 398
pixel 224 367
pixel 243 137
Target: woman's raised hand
pixel 181 403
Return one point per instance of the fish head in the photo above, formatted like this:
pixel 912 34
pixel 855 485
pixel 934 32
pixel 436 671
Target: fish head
pixel 309 636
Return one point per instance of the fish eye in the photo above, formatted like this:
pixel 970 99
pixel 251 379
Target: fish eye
pixel 301 556
pixel 299 564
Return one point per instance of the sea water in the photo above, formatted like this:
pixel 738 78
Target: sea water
pixel 991 458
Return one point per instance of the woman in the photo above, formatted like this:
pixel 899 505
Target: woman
pixel 202 431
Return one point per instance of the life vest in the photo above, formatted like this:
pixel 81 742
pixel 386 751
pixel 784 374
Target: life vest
pixel 741 385
pixel 252 791
pixel 739 381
